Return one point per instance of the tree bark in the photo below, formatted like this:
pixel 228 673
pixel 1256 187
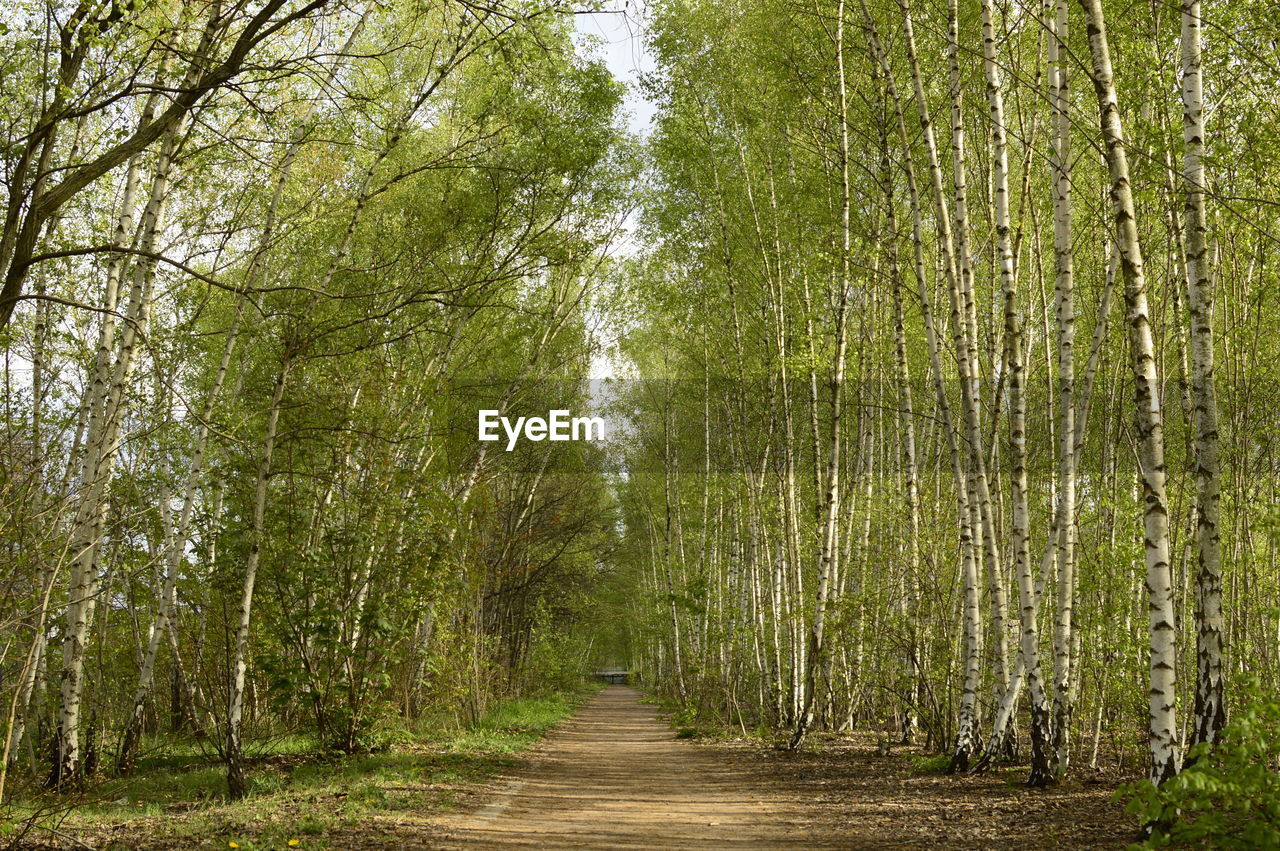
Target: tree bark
pixel 1210 705
pixel 970 523
pixel 1028 664
pixel 1064 261
pixel 1162 721
pixel 106 407
pixel 828 544
pixel 234 755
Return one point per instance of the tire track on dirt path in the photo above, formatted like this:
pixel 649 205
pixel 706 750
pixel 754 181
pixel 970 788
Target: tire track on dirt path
pixel 615 776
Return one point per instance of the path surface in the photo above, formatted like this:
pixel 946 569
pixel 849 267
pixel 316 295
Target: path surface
pixel 615 776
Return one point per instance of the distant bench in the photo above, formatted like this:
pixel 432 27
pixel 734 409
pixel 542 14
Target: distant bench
pixel 613 678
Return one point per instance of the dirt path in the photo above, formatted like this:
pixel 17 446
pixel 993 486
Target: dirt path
pixel 615 776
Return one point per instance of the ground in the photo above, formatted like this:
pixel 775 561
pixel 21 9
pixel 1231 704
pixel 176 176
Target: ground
pixel 616 775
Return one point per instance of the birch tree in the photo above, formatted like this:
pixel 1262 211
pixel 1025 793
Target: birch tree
pixel 1210 707
pixel 1163 731
pixel 1064 263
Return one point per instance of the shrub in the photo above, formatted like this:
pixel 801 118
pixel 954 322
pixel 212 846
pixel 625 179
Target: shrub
pixel 1229 796
pixel 930 764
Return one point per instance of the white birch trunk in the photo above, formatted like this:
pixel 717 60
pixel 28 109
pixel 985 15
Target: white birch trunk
pixel 1060 163
pixel 106 411
pixel 1028 663
pixel 828 543
pixel 1210 708
pixel 966 335
pixel 234 749
pixel 966 732
pixel 1162 726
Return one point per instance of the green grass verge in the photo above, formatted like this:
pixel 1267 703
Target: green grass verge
pixel 298 797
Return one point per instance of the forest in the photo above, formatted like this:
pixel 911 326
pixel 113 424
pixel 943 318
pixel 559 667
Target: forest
pixel 933 339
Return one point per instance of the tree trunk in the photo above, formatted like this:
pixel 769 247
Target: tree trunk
pixel 1064 261
pixel 1162 726
pixel 107 403
pixel 234 754
pixel 1028 664
pixel 966 334
pixel 970 545
pixel 1210 707
pixel 828 544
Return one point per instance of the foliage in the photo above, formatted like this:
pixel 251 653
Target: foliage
pixel 732 317
pixel 299 793
pixel 398 214
pixel 1228 795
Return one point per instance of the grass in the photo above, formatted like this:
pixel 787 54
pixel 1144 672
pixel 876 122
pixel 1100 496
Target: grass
pixel 930 763
pixel 299 797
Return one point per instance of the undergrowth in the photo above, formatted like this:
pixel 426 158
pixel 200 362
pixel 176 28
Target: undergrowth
pixel 300 795
pixel 1228 796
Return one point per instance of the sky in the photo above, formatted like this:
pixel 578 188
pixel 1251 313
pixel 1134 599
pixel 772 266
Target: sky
pixel 621 43
pixel 619 38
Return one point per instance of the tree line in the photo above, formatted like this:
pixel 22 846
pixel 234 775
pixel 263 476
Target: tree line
pixel 959 420
pixel 951 324
pixel 263 261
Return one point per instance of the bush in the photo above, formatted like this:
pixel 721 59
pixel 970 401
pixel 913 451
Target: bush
pixel 1229 797
pixel 934 764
